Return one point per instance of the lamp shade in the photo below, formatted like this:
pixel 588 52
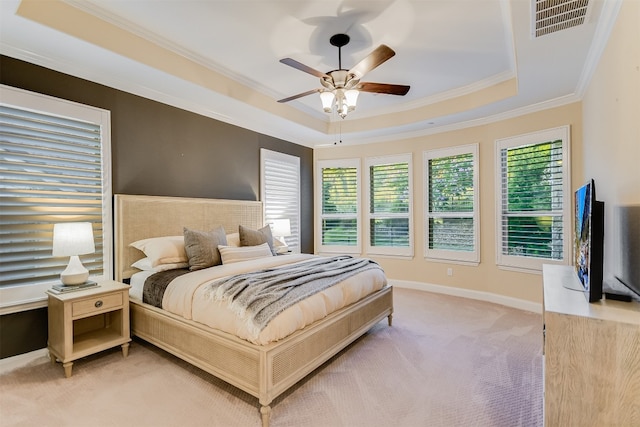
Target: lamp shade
pixel 351 98
pixel 327 101
pixel 73 238
pixel 281 227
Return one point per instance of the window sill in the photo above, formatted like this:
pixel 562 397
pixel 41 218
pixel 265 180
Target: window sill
pixel 389 256
pixel 15 299
pixel 453 261
pixel 519 269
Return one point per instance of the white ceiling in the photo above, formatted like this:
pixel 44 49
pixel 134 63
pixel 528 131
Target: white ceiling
pixel 467 61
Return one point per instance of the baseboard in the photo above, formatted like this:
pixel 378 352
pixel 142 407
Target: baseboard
pixel 14 362
pixel 471 294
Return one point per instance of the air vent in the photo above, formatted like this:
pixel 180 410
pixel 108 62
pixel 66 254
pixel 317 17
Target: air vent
pixel 555 15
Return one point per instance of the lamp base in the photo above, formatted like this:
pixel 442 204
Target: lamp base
pixel 75 273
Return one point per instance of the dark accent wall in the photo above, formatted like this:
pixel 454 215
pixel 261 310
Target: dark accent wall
pixel 160 150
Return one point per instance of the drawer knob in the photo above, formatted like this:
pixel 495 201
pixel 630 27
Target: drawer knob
pixel 98 304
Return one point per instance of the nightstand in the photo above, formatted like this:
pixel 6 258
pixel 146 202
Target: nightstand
pixel 85 322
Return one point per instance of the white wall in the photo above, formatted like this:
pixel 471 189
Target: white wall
pixel 611 123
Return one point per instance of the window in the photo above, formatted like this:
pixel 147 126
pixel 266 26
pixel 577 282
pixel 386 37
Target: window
pixel 451 199
pixel 54 167
pixel 280 192
pixel 534 201
pixel 337 193
pixel 388 192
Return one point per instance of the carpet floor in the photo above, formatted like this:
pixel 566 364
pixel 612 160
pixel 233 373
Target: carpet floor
pixel 446 361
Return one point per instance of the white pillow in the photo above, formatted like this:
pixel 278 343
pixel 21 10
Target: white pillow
pixel 233 239
pixel 145 264
pixel 231 254
pixel 163 250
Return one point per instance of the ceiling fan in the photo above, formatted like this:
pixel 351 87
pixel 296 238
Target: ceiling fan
pixel 341 87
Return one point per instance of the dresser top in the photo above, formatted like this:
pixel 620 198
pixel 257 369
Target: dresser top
pixel 560 297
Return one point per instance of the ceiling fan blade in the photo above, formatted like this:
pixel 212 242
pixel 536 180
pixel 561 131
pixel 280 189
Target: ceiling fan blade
pixel 383 88
pixel 300 95
pixel 375 58
pixel 300 66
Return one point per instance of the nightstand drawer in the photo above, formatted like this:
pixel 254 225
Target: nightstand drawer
pixel 95 304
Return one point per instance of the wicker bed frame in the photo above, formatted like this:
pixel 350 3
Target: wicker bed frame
pixel 262 371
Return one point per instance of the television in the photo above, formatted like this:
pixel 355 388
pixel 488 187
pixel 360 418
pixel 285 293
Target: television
pixel 589 241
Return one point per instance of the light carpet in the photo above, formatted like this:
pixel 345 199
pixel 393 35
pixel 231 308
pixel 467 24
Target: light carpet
pixel 446 361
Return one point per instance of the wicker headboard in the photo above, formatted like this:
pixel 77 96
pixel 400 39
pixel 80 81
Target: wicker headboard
pixel 140 217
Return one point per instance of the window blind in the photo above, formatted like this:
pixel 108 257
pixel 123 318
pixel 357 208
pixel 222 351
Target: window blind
pixel 281 192
pixel 389 204
pixel 532 200
pixel 451 203
pixel 339 206
pixel 50 172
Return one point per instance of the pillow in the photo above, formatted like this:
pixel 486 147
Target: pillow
pixel 249 237
pixel 145 264
pixel 202 247
pixel 162 250
pixel 231 254
pixel 233 239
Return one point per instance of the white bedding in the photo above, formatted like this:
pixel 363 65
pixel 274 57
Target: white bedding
pixel 185 297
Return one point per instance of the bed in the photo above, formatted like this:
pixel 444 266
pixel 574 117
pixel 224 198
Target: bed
pixel 263 371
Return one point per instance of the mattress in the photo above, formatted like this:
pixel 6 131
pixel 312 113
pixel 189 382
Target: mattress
pixel 185 296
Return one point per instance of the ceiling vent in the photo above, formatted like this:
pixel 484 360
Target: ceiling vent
pixel 550 16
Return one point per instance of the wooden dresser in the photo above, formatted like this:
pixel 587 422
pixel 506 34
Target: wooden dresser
pixel 592 356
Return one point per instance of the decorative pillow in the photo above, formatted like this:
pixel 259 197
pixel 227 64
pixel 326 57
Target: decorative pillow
pixel 163 250
pixel 249 237
pixel 145 264
pixel 231 254
pixel 233 239
pixel 202 247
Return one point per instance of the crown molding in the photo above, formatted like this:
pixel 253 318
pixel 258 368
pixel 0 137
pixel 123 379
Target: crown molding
pixel 606 22
pixel 534 108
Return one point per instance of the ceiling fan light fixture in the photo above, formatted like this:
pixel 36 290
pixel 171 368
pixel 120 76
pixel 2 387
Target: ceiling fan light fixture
pixel 341 103
pixel 344 101
pixel 351 98
pixel 341 87
pixel 327 98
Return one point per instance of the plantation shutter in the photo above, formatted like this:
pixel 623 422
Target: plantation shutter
pixel 339 206
pixel 451 203
pixel 389 204
pixel 532 200
pixel 50 172
pixel 281 192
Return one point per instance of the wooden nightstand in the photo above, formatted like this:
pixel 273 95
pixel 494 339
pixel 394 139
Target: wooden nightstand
pixel 86 322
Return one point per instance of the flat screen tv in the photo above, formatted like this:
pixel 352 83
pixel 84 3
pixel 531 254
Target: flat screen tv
pixel 589 241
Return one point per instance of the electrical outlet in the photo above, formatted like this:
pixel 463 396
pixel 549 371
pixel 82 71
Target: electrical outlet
pixel 449 271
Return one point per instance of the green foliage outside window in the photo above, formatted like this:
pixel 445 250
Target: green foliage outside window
pixel 451 191
pixel 533 205
pixel 389 187
pixel 339 206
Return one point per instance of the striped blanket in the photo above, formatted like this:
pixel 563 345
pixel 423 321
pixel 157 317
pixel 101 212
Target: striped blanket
pixel 259 296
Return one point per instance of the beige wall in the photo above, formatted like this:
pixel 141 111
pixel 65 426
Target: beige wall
pixel 605 146
pixel 611 109
pixel 486 277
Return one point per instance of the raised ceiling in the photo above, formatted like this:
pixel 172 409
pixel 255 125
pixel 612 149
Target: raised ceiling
pixel 467 61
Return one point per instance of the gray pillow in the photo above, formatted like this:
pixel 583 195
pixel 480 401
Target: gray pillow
pixel 202 247
pixel 249 237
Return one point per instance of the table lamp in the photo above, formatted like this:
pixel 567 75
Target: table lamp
pixel 72 239
pixel 281 228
